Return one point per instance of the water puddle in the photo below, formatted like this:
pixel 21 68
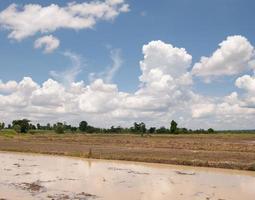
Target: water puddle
pixel 30 176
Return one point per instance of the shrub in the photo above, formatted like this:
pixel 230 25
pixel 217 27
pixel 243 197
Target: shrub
pixel 60 128
pixel 210 130
pixel 17 128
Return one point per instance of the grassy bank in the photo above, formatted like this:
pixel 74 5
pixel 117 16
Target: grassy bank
pixel 233 151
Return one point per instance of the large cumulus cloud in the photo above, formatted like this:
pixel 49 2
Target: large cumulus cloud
pixel 166 91
pixel 164 85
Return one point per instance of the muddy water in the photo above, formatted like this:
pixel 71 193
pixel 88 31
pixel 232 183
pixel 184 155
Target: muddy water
pixel 29 176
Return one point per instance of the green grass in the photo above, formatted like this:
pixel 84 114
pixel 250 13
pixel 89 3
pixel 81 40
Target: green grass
pixel 8 133
pixel 40 132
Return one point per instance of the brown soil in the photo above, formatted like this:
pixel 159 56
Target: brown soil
pixel 235 151
pixel 31 187
pixel 80 196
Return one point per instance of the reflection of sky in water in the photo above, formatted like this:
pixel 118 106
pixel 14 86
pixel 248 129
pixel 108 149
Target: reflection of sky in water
pixel 120 180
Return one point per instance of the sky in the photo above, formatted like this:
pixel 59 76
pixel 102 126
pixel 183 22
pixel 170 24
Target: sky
pixel 114 62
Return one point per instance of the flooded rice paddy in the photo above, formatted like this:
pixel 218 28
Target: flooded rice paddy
pixel 32 176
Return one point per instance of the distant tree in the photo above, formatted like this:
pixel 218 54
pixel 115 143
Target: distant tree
pixel 115 129
pixel 210 130
pixel 142 128
pixel 9 126
pixel 91 129
pixel 199 131
pixel 73 129
pixel 32 127
pixel 173 127
pixel 83 126
pixel 162 130
pixel 38 126
pixel 136 127
pixel 67 127
pixel 152 130
pixel 60 128
pixel 139 128
pixel 24 125
pixel 182 130
pixel 2 125
pixel 48 126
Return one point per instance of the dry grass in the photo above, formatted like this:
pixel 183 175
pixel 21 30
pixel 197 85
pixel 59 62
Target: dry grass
pixel 235 151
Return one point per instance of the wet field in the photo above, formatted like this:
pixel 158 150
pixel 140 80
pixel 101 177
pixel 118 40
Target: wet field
pixel 32 176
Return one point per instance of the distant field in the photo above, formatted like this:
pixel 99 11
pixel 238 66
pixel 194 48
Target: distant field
pixel 235 151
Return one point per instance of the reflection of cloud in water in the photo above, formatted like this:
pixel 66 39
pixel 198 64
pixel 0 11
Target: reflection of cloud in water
pixel 158 189
pixel 113 180
pixel 248 186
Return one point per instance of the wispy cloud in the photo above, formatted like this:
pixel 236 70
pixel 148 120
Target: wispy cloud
pixel 49 43
pixel 69 75
pixel 143 13
pixel 108 74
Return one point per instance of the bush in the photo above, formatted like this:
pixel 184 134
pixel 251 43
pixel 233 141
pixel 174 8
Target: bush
pixel 210 130
pixel 60 128
pixel 17 128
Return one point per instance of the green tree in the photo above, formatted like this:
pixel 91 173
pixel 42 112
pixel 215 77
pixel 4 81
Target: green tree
pixel 59 128
pixel 73 129
pixel 24 125
pixel 152 130
pixel 48 126
pixel 32 127
pixel 83 126
pixel 142 128
pixel 139 128
pixel 210 130
pixel 38 126
pixel 136 127
pixel 173 127
pixel 162 130
pixel 2 125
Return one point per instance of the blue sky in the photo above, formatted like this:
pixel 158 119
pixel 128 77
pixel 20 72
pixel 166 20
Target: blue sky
pixel 198 26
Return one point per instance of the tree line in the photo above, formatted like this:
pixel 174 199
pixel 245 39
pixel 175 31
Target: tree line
pixel 25 126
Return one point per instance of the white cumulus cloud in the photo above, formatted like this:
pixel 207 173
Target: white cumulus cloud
pixel 49 43
pixel 234 56
pixel 30 19
pixel 165 92
pixel 247 83
pixel 165 85
pixel 8 87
